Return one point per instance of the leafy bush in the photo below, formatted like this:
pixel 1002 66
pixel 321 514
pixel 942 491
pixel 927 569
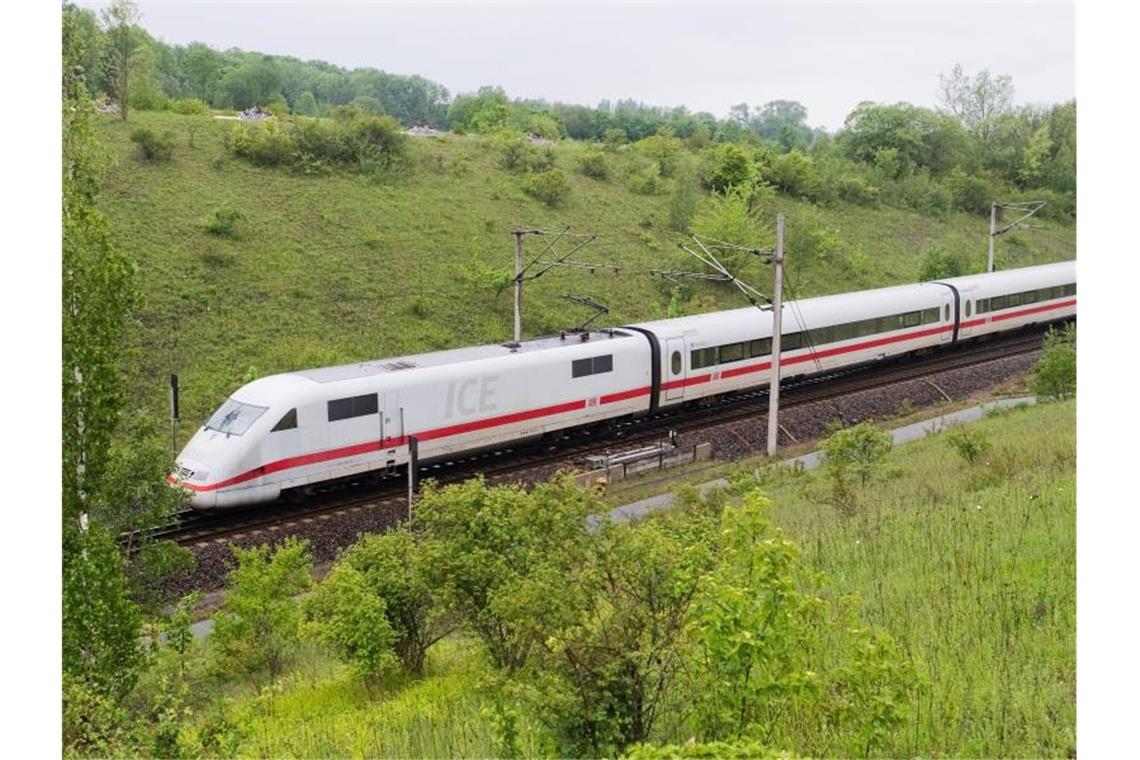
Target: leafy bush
pixel 729 217
pixel 853 452
pixel 855 189
pixel 684 200
pixel 391 566
pixel 728 166
pixel 520 155
pixel 258 626
pixel 550 187
pixel 970 442
pixel 795 174
pixel 645 181
pixel 152 145
pixel 970 193
pixel 1055 375
pixel 938 263
pixel 344 613
pixel 224 223
pixel 918 192
pixel 594 164
pixel 371 145
pixel 189 107
pixel 663 149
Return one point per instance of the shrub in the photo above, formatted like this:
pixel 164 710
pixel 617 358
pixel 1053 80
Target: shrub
pixel 344 613
pixel 152 145
pixel 919 192
pixel 854 189
pixel 970 193
pixel 372 145
pixel 594 165
pixel 259 623
pixel 971 443
pixel 683 202
pixel 550 187
pixel 224 223
pixel 729 218
pixel 189 107
pixel 520 155
pixel 1055 375
pixel 938 263
pixel 645 181
pixel 392 569
pixel 850 452
pixel 728 166
pixel 613 137
pixel 795 174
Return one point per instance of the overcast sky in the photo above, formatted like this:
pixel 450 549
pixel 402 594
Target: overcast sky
pixel 707 56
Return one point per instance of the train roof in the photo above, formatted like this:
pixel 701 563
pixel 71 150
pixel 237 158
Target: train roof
pixel 457 355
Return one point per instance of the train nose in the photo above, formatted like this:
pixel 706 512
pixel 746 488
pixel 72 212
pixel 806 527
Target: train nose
pixel 192 477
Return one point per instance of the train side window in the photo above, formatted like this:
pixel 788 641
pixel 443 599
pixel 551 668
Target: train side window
pixel 930 316
pixel 845 331
pixel 356 406
pixel 864 327
pixel 1071 289
pixel 1013 299
pixel 997 303
pixel 967 308
pixel 947 312
pixel 581 367
pixel 791 342
pixel 675 362
pixel 1029 296
pixel 983 305
pixel 1058 291
pixel 703 357
pixel 288 422
pixel 761 347
pixel 733 352
pixel 912 319
pixel 604 363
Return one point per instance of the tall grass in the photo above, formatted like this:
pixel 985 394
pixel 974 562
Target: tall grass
pixel 972 568
pixel 445 714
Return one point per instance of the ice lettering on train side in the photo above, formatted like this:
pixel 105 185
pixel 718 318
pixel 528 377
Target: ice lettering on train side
pixel 471 396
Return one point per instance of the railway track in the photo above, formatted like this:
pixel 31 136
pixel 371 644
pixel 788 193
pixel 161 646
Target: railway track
pixel 390 492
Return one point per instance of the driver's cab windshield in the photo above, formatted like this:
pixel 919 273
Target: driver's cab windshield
pixel 234 417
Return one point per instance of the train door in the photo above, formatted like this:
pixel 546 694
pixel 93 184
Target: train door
pixel 967 316
pixel 391 421
pixel 946 318
pixel 674 382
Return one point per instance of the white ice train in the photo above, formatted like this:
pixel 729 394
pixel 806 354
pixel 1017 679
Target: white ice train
pixel 290 431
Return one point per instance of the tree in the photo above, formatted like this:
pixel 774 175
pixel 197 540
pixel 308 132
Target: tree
pixel 482 546
pixel 101 625
pixel 610 631
pixel 119 22
pixel 1055 374
pixel 919 137
pixel 393 570
pixel 783 122
pixel 306 105
pixel 978 101
pixel 729 167
pixel 258 626
pixel 346 614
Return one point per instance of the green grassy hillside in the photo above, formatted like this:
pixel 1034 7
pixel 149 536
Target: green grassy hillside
pixel 336 269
